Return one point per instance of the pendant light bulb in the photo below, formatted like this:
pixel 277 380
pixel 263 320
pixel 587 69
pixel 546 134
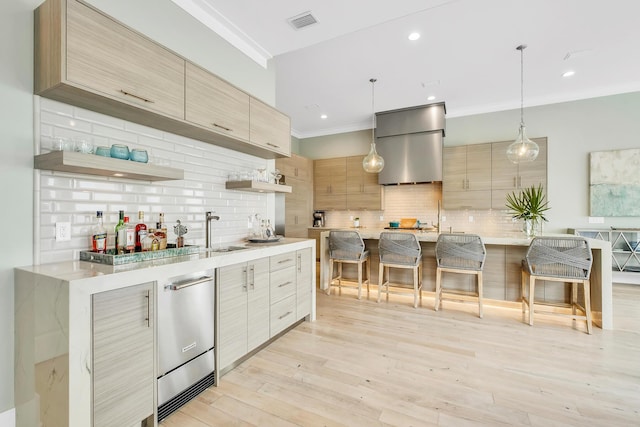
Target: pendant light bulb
pixel 373 162
pixel 522 149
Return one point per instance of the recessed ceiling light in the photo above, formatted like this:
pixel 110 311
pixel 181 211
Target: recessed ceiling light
pixel 431 98
pixel 568 73
pixel 414 36
pixel 324 116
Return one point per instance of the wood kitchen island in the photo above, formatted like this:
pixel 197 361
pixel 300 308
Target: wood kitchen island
pixel 502 272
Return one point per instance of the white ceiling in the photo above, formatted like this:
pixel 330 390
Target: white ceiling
pixel 465 57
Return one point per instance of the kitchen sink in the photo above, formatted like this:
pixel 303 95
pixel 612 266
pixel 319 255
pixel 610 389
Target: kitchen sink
pixel 227 249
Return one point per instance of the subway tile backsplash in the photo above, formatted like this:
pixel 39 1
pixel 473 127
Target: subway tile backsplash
pixel 75 198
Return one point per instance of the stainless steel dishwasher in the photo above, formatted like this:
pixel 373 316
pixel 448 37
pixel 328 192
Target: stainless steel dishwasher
pixel 186 333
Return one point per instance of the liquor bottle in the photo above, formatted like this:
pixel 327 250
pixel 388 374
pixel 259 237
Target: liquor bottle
pixel 141 231
pixel 99 235
pixel 121 234
pixel 161 232
pixel 130 233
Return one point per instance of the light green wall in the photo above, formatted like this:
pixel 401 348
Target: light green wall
pixel 159 19
pixel 574 129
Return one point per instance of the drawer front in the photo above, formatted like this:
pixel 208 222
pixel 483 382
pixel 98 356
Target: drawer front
pixel 279 262
pixel 283 314
pixel 283 284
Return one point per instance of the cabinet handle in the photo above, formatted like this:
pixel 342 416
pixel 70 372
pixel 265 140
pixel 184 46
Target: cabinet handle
pixel 187 283
pixel 246 278
pixel 464 184
pixel 253 277
pixel 299 263
pixel 284 284
pixel 273 145
pixel 136 96
pixel 285 315
pixel 282 261
pixel 148 319
pixel 519 182
pixel 222 127
pixel 515 182
pixel 296 171
pixel 467 183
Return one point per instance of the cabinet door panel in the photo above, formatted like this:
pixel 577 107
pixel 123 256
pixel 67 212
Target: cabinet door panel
pixel 479 167
pixel 215 104
pixel 123 355
pixel 283 314
pixel 269 127
pixel 454 168
pixel 534 173
pixel 304 282
pixel 232 340
pixel 505 173
pixel 258 303
pixel 107 57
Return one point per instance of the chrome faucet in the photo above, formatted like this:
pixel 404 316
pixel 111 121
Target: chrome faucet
pixel 437 226
pixel 207 227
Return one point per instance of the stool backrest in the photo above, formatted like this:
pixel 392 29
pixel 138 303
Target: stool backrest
pixel 563 257
pixel 460 251
pixel 346 245
pixel 399 248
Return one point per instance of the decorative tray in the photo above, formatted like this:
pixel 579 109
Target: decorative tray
pixel 270 240
pixel 111 258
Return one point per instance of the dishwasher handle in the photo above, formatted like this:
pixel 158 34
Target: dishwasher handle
pixel 185 284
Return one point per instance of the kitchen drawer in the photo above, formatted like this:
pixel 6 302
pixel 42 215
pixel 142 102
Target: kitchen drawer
pixel 283 284
pixel 283 314
pixel 278 262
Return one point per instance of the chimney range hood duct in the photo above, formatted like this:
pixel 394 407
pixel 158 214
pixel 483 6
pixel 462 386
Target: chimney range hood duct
pixel 410 141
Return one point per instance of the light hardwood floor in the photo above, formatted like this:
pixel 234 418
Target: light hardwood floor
pixel 368 364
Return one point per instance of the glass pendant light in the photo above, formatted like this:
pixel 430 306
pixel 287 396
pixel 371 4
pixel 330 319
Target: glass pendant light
pixel 373 163
pixel 522 149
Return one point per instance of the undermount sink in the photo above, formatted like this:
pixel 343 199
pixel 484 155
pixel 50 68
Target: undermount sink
pixel 227 249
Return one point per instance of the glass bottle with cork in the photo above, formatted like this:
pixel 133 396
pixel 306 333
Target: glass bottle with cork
pixel 99 235
pixel 161 232
pixel 141 231
pixel 130 236
pixel 121 234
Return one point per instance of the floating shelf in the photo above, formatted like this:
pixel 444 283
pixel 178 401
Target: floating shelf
pixel 91 164
pixel 258 187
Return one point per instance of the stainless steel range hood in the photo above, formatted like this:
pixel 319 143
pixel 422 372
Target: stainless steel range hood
pixel 410 142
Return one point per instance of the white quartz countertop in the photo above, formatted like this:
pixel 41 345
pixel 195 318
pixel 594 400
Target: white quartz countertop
pixel 508 239
pixel 92 273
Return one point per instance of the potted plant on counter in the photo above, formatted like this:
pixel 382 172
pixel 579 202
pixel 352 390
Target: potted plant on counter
pixel 529 204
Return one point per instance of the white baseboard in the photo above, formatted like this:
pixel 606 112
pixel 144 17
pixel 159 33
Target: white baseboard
pixel 8 418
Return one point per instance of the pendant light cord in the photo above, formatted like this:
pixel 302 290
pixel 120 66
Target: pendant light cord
pixel 521 48
pixel 373 111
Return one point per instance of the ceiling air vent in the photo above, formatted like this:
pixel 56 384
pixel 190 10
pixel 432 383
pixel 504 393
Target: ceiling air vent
pixel 303 20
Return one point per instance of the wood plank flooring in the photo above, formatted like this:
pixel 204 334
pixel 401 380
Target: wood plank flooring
pixel 388 364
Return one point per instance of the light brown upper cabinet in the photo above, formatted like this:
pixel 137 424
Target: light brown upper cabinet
pixel 363 190
pixel 466 177
pixel 298 173
pixel 213 103
pixel 330 184
pixel 269 127
pixel 86 58
pixel 508 177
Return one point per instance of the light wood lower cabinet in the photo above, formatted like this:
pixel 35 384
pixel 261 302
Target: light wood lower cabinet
pixel 123 356
pixel 244 309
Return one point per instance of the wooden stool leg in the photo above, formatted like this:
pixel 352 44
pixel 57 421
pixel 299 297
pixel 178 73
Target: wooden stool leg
pixel 523 279
pixel 339 278
pixel 480 293
pixel 532 288
pixel 438 289
pixel 587 304
pixel 415 287
pixel 330 276
pixel 420 281
pixel 368 275
pixel 380 278
pixel 574 297
pixel 360 280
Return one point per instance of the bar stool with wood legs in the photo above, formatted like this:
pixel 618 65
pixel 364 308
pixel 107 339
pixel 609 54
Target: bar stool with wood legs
pixel 459 253
pixel 400 250
pixel 558 260
pixel 347 247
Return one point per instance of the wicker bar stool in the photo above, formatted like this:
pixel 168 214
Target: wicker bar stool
pixel 400 250
pixel 559 260
pixel 347 247
pixel 459 253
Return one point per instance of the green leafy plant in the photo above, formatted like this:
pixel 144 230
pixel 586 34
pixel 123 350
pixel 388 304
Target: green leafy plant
pixel 530 203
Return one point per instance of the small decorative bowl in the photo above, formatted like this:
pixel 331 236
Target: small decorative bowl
pixel 119 151
pixel 103 151
pixel 394 224
pixel 138 155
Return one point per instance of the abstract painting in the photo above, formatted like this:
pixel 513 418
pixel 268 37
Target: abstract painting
pixel 615 183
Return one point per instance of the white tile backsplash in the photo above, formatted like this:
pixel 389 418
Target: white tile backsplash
pixel 75 198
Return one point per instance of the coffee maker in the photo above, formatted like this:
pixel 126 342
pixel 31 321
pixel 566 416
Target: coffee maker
pixel 318 218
